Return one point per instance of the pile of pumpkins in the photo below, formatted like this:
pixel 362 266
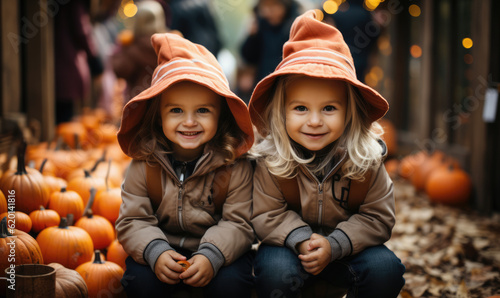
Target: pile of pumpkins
pixel 435 173
pixel 61 206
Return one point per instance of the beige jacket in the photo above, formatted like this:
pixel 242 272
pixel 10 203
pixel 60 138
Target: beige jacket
pixel 186 216
pixel 321 211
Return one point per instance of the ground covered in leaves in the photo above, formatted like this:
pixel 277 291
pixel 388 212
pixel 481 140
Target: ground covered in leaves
pixel 447 251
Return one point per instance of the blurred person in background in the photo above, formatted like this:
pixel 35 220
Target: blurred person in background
pixel 360 31
pixel 76 58
pixel 262 48
pixel 135 59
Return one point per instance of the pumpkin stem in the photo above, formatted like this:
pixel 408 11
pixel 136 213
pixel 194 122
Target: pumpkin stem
pixel 107 175
pixel 77 141
pixel 4 232
pixel 63 224
pixel 97 257
pixel 97 162
pixel 63 189
pixel 43 165
pixel 87 173
pixel 88 210
pixel 21 165
pixel 42 208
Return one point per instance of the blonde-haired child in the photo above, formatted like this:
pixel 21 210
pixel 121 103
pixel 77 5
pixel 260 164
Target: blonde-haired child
pixel 323 203
pixel 180 131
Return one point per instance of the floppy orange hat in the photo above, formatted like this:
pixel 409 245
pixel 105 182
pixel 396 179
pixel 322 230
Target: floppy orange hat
pixel 181 60
pixel 314 49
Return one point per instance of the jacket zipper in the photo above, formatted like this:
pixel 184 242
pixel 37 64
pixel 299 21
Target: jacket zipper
pixel 179 198
pixel 320 186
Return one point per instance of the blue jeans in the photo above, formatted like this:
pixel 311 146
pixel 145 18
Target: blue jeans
pixel 374 272
pixel 234 280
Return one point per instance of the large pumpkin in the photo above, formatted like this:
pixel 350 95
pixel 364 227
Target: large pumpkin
pixel 449 185
pixel 44 218
pixel 102 278
pixel 107 203
pixel 27 184
pixel 69 283
pixel 67 202
pixel 67 245
pixel 19 244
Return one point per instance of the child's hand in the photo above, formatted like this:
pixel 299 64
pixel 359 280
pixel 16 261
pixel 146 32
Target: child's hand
pixel 302 247
pixel 166 268
pixel 318 256
pixel 200 273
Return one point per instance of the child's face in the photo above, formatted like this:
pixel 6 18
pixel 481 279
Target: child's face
pixel 315 111
pixel 189 114
pixel 272 10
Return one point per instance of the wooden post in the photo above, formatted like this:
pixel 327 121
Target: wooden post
pixel 39 59
pixel 10 95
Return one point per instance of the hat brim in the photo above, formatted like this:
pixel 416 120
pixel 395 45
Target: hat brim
pixel 261 95
pixel 134 110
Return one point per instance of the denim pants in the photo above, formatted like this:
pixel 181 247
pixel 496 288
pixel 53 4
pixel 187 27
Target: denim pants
pixel 234 280
pixel 374 272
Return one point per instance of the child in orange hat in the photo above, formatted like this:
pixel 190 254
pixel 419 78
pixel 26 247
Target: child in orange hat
pixel 323 203
pixel 186 134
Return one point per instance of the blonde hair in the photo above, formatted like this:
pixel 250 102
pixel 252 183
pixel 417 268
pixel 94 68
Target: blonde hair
pixel 150 138
pixel 281 154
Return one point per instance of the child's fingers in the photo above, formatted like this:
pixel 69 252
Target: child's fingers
pixel 192 270
pixel 176 256
pixel 169 277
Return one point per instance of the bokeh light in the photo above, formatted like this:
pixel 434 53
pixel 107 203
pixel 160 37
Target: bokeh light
pixel 467 43
pixel 330 6
pixel 415 51
pixel 319 15
pixel 371 4
pixel 130 9
pixel 414 10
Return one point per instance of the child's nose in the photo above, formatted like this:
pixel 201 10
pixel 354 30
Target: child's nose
pixel 315 120
pixel 190 120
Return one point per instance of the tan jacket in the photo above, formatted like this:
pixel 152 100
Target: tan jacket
pixel 186 216
pixel 321 211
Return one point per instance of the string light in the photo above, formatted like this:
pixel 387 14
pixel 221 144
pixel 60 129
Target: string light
pixel 130 9
pixel 414 10
pixel 330 6
pixel 415 51
pixel 467 43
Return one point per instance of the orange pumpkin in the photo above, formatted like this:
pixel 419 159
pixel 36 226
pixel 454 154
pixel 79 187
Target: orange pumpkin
pixel 449 185
pixel 117 254
pixel 69 283
pixel 108 202
pixel 67 245
pixel 54 183
pixel 102 278
pixel 431 163
pixel 392 166
pixel 67 202
pixel 44 218
pixel 82 185
pixel 389 136
pixel 47 168
pixel 3 202
pixel 24 247
pixel 72 131
pixel 19 220
pixel 27 184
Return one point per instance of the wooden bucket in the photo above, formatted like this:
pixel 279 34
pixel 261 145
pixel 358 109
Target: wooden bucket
pixel 32 280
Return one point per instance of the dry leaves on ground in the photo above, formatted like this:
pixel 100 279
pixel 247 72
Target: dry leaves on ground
pixel 447 251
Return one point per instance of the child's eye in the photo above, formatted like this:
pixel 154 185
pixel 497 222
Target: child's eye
pixel 300 108
pixel 203 110
pixel 330 108
pixel 176 110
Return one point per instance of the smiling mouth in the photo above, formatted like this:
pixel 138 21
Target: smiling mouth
pixel 314 134
pixel 189 133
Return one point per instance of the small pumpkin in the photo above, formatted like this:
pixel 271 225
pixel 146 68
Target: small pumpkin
pixel 67 245
pixel 18 243
pixel 389 136
pixel 54 183
pixel 108 201
pixel 44 218
pixel 67 202
pixel 102 277
pixel 28 184
pixel 99 228
pixel 68 130
pixel 47 168
pixel 20 220
pixel 117 254
pixel 69 283
pixel 449 185
pixel 82 185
